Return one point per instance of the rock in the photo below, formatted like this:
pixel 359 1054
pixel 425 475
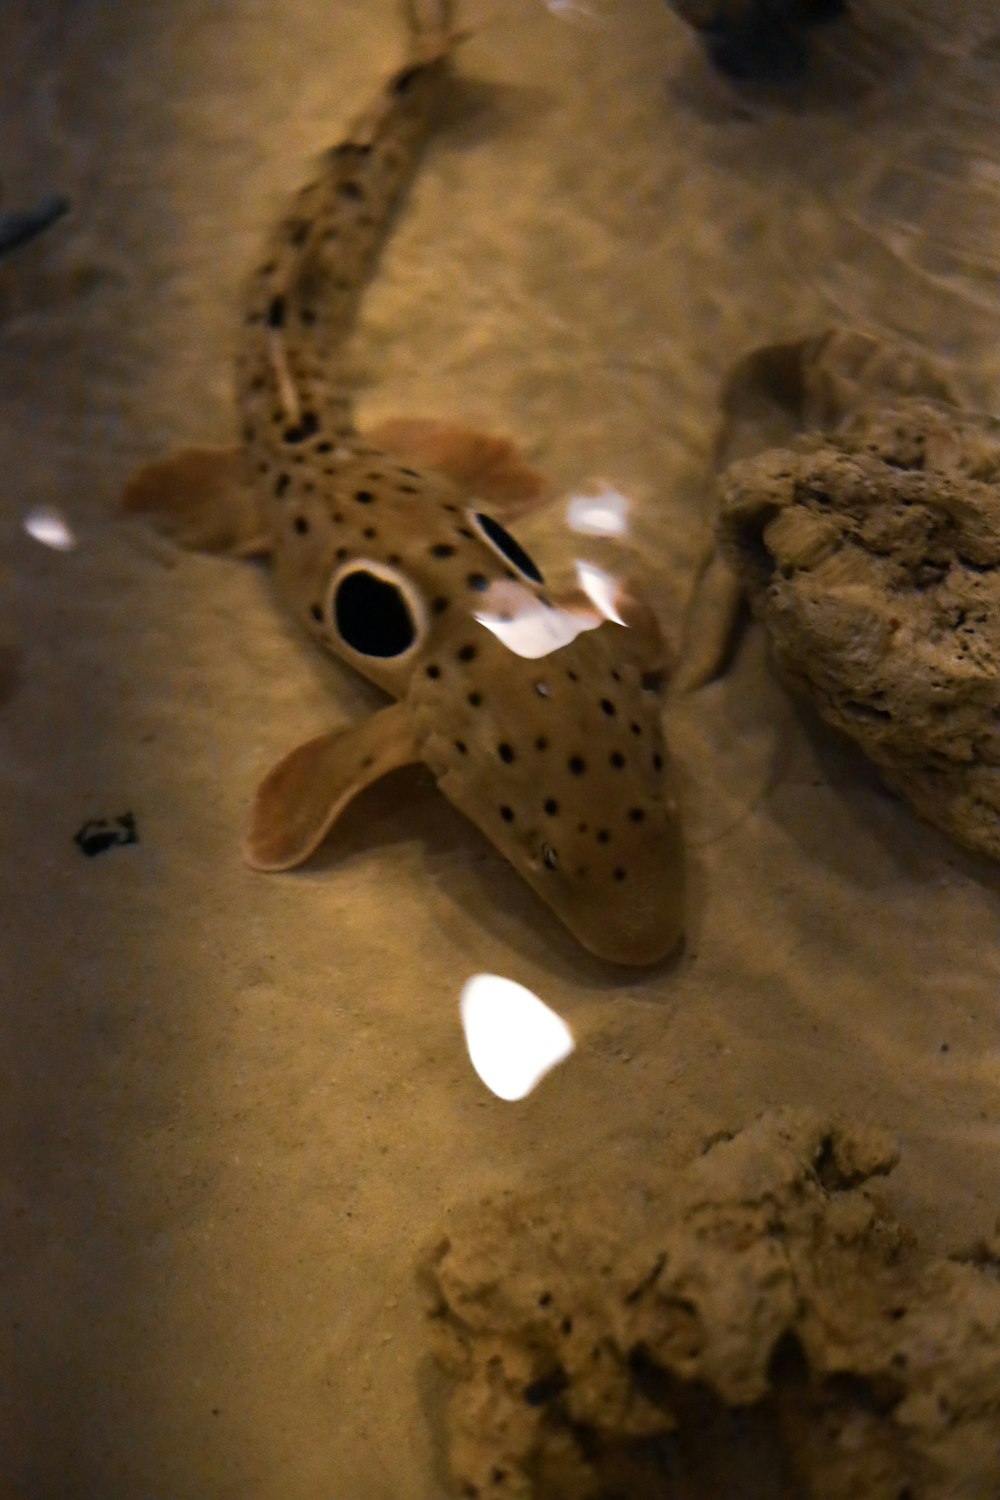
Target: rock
pixel 755 1325
pixel 873 558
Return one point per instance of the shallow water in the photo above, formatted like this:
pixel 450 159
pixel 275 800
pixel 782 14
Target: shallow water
pixel 237 1107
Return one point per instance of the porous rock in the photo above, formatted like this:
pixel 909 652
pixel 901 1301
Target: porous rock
pixel 755 1325
pixel 872 555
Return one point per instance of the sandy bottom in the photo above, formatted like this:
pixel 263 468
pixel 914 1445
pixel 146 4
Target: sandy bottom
pixel 235 1108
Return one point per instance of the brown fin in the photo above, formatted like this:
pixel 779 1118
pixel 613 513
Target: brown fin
pixel 301 797
pixel 708 634
pixel 200 498
pixel 489 467
pixel 779 390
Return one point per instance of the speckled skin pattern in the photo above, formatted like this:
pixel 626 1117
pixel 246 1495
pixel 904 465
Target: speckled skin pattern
pixel 561 763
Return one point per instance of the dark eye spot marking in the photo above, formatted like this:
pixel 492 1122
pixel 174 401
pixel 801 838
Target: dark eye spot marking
pixel 281 484
pixel 461 747
pixel 478 581
pixel 372 615
pixel 410 473
pixel 316 612
pixel 603 835
pixel 364 497
pixel 507 546
pixel 505 753
pixel 551 806
pixel 276 311
pixel 657 761
pixel 442 549
pixel 635 728
pixel 617 759
pixel 301 525
pixel 474 700
pixel 433 672
pixel 541 743
pixel 616 675
pixel 619 873
pixel 577 765
pixel 607 707
pixel 464 531
pixel 439 605
pixel 507 813
pixel 325 447
pixel 467 653
pixel 370 533
pixel 408 489
pixel 636 814
pixel 353 191
pixel 572 676
pixel 340 554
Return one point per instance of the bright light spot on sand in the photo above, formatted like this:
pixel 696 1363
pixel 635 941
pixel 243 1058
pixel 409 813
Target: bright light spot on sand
pixel 601 589
pixel 569 10
pixel 513 1038
pixel 49 527
pixel 603 514
pixel 529 628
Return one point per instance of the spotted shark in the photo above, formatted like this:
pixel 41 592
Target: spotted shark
pixel 393 550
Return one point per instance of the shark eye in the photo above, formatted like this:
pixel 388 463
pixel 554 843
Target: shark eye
pixel 509 549
pixel 376 611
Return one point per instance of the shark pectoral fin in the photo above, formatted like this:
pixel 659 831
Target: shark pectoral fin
pixel 490 468
pixel 199 497
pixel 301 797
pixel 710 624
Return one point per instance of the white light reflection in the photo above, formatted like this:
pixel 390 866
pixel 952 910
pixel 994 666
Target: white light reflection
pixel 568 10
pixel 603 514
pixel 529 628
pixel 601 589
pixel 50 527
pixel 513 1038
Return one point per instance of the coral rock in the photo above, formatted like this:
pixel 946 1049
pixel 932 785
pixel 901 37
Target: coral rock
pixel 756 1325
pixel 873 557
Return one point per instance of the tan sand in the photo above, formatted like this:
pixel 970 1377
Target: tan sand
pixel 236 1107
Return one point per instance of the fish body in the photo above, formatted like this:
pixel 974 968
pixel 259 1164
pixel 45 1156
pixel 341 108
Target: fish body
pixel 393 555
